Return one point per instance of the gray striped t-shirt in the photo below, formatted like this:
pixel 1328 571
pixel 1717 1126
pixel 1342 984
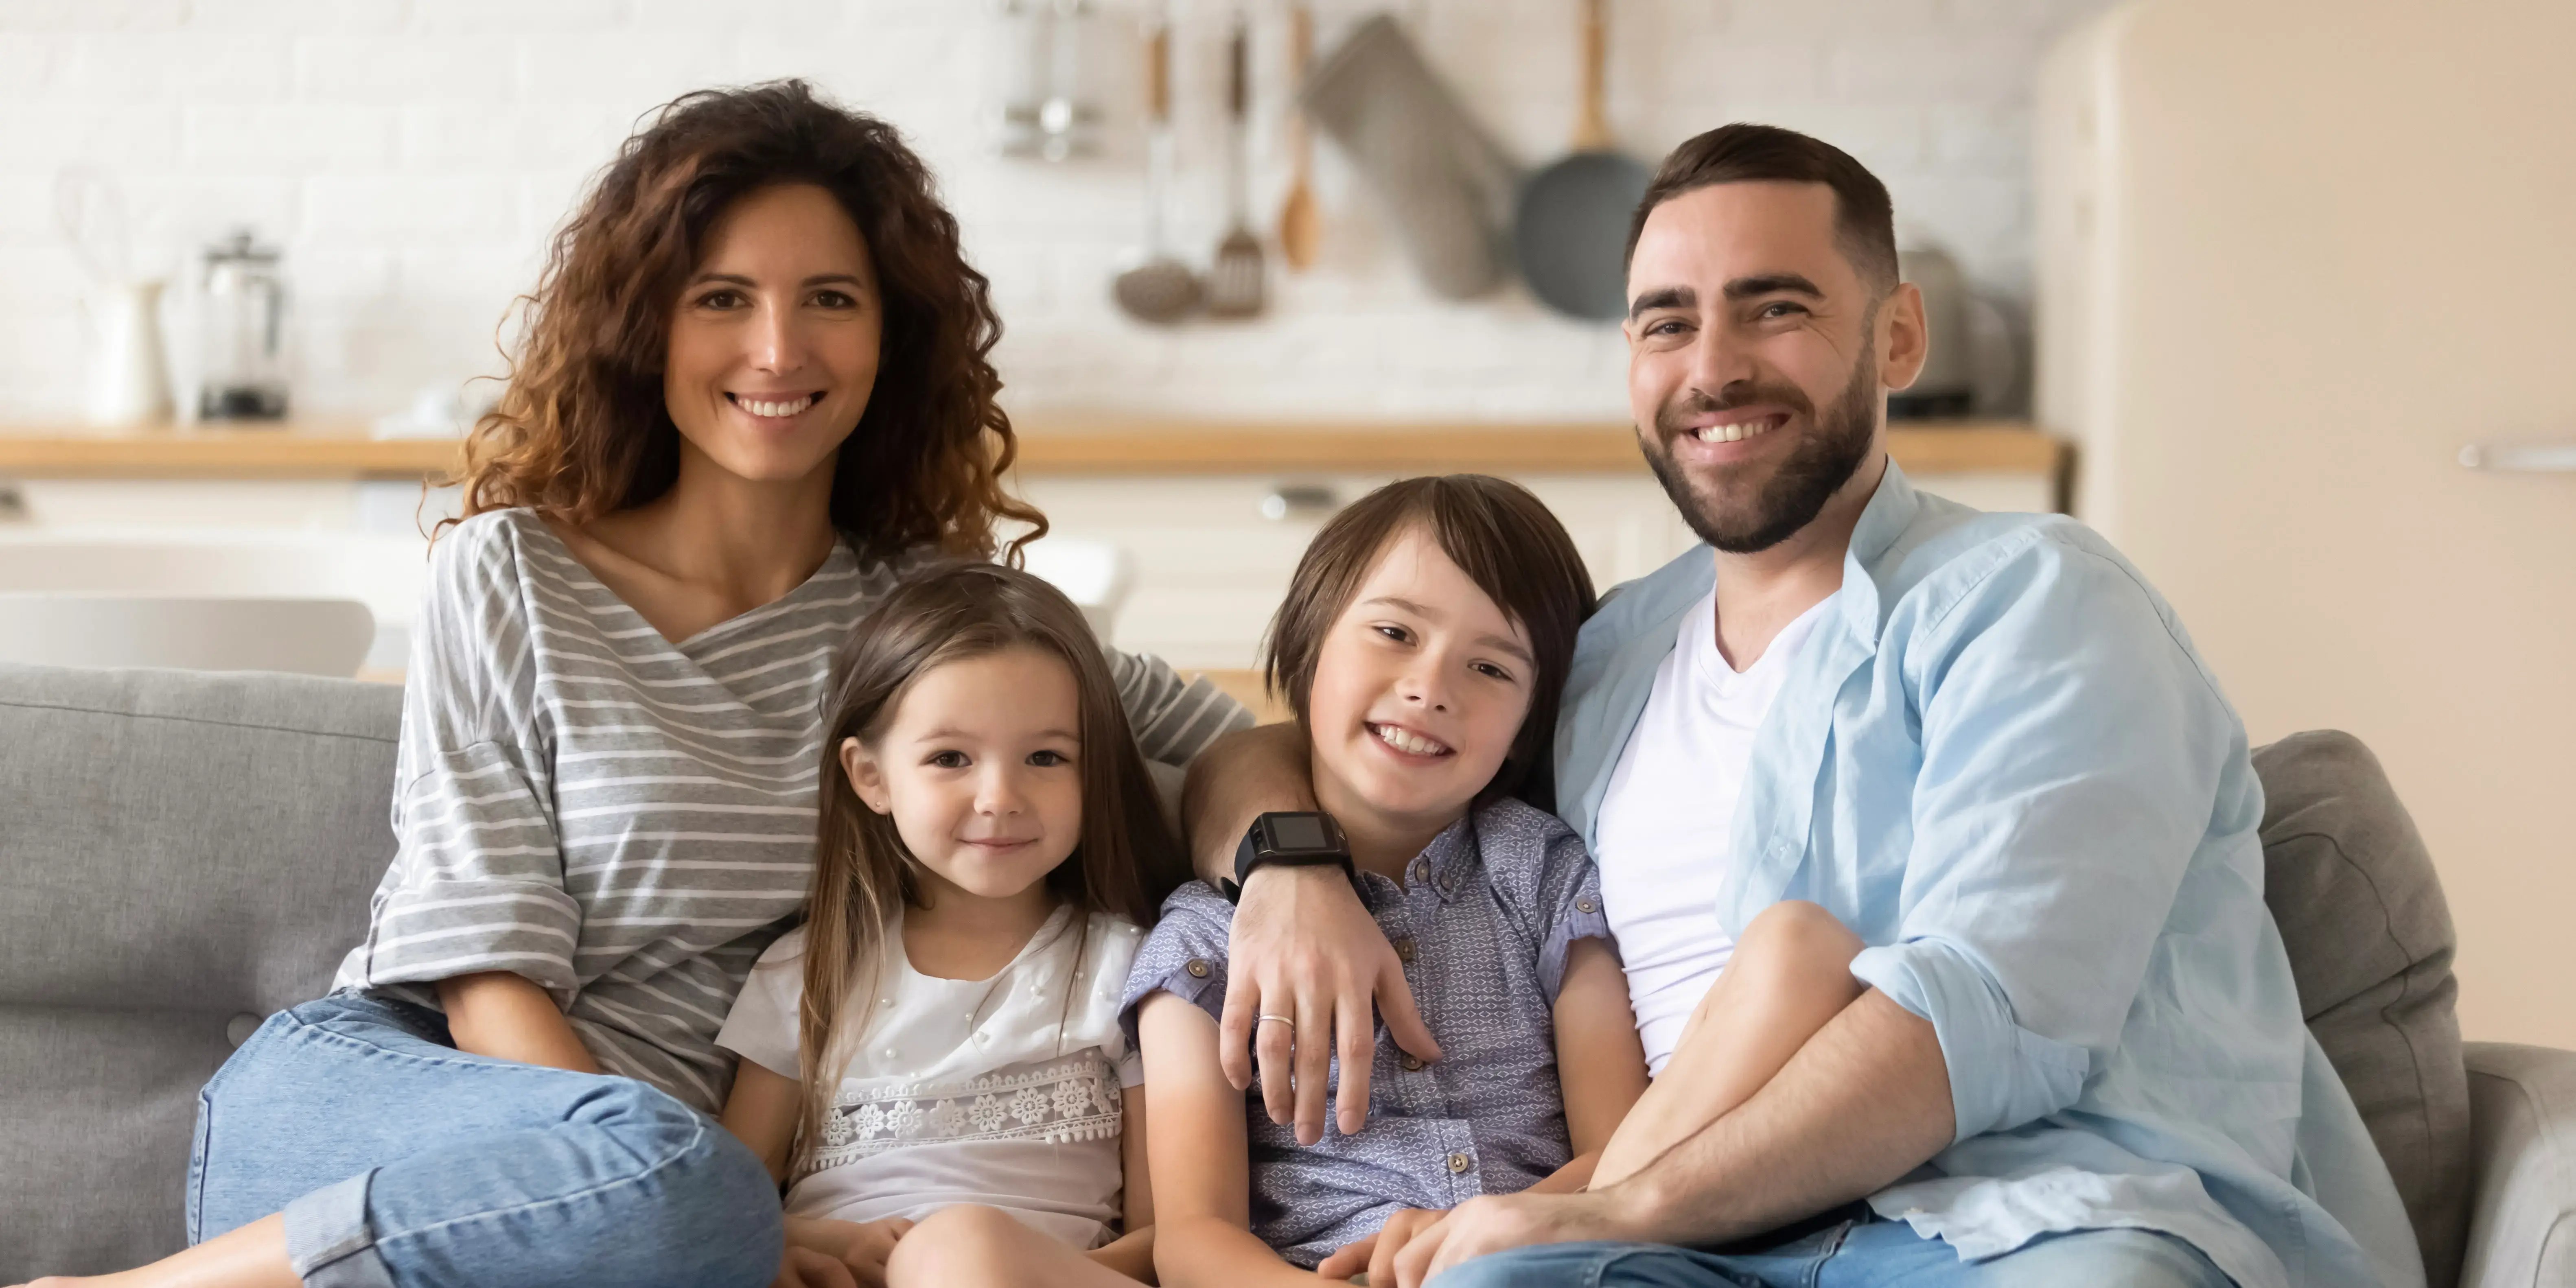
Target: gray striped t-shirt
pixel 625 821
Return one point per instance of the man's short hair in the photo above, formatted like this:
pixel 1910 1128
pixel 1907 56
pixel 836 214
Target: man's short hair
pixel 1864 218
pixel 1507 542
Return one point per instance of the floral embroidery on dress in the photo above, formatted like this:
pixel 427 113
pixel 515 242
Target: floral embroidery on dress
pixel 1075 1098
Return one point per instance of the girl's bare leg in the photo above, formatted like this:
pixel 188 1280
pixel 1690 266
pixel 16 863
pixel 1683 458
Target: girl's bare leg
pixel 969 1246
pixel 253 1256
pixel 1790 975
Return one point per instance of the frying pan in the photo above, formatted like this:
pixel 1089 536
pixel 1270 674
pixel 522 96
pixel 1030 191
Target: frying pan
pixel 1570 229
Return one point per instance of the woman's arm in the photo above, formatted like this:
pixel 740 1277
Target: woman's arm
pixel 504 1016
pixel 1132 1253
pixel 1173 719
pixel 1201 1161
pixel 762 1112
pixel 1600 1062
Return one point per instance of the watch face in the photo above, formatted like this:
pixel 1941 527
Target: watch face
pixel 1298 832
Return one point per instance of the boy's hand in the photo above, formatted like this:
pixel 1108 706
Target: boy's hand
pixel 860 1248
pixel 1376 1253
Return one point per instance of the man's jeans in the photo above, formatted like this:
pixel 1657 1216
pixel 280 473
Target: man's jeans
pixel 397 1158
pixel 1859 1253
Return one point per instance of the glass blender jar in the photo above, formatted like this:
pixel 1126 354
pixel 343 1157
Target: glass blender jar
pixel 242 332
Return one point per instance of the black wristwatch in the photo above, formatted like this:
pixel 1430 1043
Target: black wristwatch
pixel 1299 839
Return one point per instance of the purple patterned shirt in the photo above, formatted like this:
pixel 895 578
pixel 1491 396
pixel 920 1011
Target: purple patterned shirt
pixel 1482 922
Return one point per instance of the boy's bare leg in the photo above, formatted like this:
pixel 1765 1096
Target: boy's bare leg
pixel 253 1256
pixel 970 1246
pixel 1790 974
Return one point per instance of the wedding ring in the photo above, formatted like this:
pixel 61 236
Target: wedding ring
pixel 1267 1018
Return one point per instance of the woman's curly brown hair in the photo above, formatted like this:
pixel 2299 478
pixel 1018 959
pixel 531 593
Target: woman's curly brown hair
pixel 581 428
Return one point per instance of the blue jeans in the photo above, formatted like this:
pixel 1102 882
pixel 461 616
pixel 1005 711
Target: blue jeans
pixel 396 1158
pixel 1860 1253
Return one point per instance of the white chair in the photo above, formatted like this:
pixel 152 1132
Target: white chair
pixel 316 602
pixel 1095 575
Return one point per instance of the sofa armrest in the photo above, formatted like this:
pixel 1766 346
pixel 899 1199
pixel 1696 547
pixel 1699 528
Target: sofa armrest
pixel 2522 1129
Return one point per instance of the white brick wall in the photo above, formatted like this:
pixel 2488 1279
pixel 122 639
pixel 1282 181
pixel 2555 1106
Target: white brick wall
pixel 412 155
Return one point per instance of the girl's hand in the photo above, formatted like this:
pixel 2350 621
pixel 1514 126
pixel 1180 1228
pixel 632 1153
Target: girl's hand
pixel 806 1268
pixel 860 1247
pixel 1376 1253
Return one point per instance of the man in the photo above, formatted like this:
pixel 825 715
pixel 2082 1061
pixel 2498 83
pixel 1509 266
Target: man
pixel 1981 742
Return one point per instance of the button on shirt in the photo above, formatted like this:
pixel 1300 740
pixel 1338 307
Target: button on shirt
pixel 1488 910
pixel 2001 763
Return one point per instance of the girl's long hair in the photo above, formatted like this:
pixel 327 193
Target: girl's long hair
pixel 582 429
pixel 1127 858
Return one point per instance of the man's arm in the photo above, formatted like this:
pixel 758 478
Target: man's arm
pixel 1864 1102
pixel 1302 944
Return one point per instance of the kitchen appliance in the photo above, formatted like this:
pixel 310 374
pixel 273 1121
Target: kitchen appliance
pixel 1571 226
pixel 1447 186
pixel 1236 276
pixel 1156 287
pixel 242 332
pixel 1947 383
pixel 2278 303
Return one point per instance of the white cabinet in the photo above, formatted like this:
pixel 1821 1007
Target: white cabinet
pixel 1214 552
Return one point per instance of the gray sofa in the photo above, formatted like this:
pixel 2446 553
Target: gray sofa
pixel 182 853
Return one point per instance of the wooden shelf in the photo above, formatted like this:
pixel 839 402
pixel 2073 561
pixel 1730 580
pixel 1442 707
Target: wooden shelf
pixel 1048 446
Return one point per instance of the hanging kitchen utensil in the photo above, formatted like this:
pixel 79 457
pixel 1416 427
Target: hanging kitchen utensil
pixel 1157 288
pixel 1300 224
pixel 1571 229
pixel 1235 276
pixel 1447 186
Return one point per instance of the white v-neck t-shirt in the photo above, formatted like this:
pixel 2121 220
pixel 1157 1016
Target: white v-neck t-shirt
pixel 1663 836
pixel 1003 1091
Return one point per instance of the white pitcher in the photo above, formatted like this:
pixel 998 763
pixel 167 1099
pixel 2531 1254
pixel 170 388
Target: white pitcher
pixel 128 382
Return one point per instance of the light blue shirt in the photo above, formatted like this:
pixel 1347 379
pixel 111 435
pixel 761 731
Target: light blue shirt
pixel 2001 763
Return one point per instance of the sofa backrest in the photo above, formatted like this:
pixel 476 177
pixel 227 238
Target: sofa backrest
pixel 2370 942
pixel 180 854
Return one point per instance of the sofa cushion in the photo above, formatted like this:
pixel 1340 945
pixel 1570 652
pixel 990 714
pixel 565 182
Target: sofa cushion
pixel 180 850
pixel 2369 938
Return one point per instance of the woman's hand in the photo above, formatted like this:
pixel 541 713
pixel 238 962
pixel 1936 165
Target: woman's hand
pixel 1303 946
pixel 860 1248
pixel 1376 1253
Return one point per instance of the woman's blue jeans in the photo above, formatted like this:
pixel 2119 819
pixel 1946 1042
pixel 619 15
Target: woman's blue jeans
pixel 397 1159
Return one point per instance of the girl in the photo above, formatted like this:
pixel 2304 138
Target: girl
pixel 939 1042
pixel 753 386
pixel 1423 644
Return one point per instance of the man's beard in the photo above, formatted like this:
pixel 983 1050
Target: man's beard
pixel 1797 491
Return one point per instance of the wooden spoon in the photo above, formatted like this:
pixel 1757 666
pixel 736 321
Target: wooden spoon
pixel 1300 225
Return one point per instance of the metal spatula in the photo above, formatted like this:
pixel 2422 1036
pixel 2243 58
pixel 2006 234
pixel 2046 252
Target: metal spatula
pixel 1235 280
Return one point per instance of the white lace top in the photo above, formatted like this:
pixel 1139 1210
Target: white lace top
pixel 996 1091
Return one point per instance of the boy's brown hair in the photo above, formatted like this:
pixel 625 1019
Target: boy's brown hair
pixel 1502 537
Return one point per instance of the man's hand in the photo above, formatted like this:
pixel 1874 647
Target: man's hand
pixel 1303 946
pixel 859 1248
pixel 1497 1223
pixel 1376 1253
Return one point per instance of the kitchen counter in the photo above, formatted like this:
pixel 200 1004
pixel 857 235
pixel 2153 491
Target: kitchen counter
pixel 1048 446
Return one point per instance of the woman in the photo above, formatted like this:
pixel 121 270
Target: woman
pixel 754 388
